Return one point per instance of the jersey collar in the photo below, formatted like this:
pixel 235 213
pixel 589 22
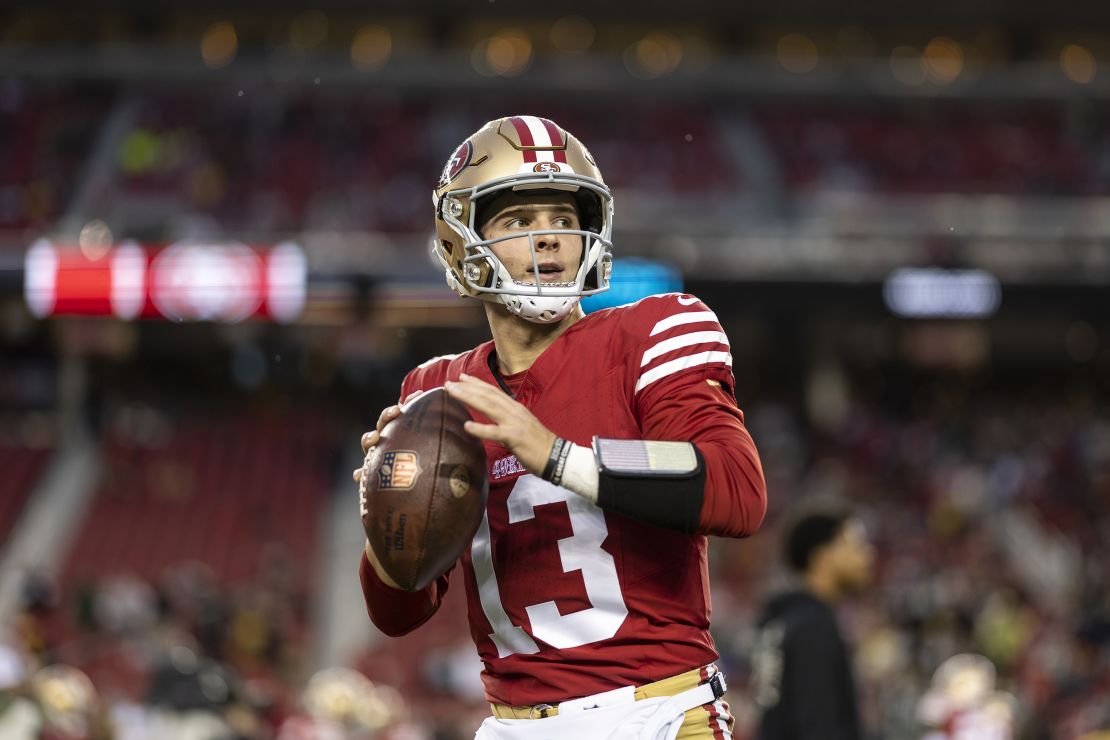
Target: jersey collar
pixel 546 369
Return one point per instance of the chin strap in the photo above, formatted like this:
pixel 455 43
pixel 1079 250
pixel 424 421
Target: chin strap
pixel 518 305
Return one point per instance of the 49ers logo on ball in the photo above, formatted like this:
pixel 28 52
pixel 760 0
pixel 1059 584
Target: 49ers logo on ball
pixel 459 160
pixel 547 167
pixel 398 470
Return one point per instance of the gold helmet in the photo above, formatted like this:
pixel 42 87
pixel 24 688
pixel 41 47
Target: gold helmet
pixel 966 679
pixel 521 153
pixel 67 697
pixel 346 697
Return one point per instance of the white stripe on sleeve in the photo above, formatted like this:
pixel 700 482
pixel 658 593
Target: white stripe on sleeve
pixel 682 363
pixel 678 319
pixel 683 340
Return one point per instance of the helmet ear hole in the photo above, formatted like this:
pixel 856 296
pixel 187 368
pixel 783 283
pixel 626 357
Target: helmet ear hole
pixel 599 275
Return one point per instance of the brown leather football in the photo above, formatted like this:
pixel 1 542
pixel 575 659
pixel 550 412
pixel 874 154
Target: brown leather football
pixel 425 490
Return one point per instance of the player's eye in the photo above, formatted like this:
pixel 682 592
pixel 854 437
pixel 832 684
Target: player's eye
pixel 516 223
pixel 562 223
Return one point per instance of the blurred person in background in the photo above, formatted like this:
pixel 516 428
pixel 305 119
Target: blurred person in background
pixel 70 705
pixel 597 617
pixel 341 704
pixel 58 702
pixel 962 703
pixel 802 668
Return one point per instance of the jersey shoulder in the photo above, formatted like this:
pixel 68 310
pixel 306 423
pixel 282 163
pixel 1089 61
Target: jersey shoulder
pixel 669 339
pixel 433 372
pixel 658 316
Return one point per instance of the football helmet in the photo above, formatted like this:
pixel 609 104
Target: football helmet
pixel 515 154
pixel 67 697
pixel 965 679
pixel 348 698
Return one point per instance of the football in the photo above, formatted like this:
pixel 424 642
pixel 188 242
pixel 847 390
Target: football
pixel 424 488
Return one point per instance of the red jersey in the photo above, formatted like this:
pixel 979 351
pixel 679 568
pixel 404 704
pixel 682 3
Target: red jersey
pixel 564 599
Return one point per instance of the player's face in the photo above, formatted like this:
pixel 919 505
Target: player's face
pixel 558 255
pixel 854 556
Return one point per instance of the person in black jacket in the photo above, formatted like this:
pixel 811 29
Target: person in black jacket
pixel 802 673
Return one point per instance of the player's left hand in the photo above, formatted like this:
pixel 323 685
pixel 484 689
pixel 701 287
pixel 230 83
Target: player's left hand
pixel 513 425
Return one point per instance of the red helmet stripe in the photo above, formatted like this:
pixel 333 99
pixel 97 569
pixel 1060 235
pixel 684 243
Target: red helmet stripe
pixel 526 139
pixel 556 140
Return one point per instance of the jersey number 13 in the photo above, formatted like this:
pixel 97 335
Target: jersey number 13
pixel 581 551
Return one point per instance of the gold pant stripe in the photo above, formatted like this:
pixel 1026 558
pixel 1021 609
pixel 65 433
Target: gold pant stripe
pixel 666 687
pixel 700 724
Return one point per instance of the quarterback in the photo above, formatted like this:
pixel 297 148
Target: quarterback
pixel 614 446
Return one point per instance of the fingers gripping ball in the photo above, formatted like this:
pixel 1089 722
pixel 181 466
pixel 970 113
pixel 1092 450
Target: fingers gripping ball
pixel 423 490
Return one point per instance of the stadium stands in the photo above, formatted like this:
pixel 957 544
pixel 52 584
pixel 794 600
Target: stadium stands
pixel 218 490
pixel 22 468
pixel 322 162
pixel 47 133
pixel 954 147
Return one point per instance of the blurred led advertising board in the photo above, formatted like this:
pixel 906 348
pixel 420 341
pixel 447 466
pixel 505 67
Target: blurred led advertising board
pixel 185 281
pixel 933 292
pixel 634 278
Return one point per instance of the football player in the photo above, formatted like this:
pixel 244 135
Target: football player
pixel 614 444
pixel 962 703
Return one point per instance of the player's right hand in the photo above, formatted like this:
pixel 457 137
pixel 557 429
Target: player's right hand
pixel 370 439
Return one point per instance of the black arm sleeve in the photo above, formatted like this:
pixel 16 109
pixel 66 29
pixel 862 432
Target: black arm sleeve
pixel 668 501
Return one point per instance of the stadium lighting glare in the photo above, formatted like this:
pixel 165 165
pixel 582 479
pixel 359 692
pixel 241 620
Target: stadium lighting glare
pixel 572 34
pixel 129 265
pixel 938 293
pixel 944 60
pixel 39 269
pixel 95 240
pixel 1078 63
pixel 218 45
pixel 371 48
pixel 797 53
pixel 506 54
pixel 286 279
pixel 654 55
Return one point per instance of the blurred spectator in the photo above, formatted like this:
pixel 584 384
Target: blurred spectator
pixel 803 678
pixel 341 704
pixel 962 703
pixel 70 706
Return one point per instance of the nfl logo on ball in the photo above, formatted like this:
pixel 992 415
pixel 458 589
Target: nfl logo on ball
pixel 398 470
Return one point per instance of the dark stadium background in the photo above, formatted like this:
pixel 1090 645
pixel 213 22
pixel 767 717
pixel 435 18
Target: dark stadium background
pixel 176 515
